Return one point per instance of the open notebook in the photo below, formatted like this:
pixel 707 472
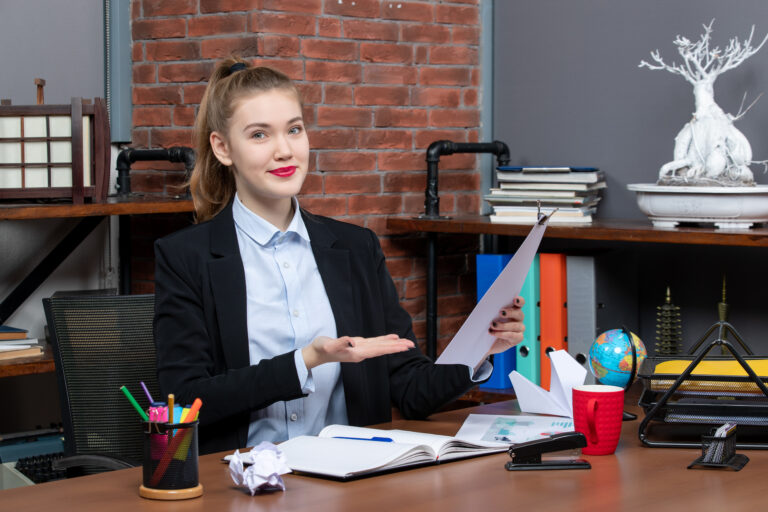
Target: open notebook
pixel 342 451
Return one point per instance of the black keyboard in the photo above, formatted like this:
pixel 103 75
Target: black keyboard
pixel 38 467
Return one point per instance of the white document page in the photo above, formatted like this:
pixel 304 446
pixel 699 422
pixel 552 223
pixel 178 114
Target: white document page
pixel 566 373
pixel 511 429
pixel 473 341
pixel 346 457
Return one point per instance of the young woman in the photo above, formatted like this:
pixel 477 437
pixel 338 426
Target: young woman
pixel 282 321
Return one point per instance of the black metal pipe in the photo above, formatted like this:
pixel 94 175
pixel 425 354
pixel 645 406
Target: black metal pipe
pixel 432 211
pixel 447 147
pixel 125 254
pixel 432 296
pixel 128 156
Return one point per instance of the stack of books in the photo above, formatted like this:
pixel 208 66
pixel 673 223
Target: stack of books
pixel 15 344
pixel 574 191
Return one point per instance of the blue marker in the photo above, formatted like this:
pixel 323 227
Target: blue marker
pixel 380 439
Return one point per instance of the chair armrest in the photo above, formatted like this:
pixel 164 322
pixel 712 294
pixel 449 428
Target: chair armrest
pixel 100 461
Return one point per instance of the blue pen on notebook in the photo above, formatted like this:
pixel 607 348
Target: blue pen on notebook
pixel 380 439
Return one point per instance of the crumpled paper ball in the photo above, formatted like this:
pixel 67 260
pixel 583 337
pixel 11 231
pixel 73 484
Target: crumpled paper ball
pixel 267 463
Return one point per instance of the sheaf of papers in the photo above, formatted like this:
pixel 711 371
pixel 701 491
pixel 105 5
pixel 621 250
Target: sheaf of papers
pixel 566 373
pixel 512 429
pixel 473 341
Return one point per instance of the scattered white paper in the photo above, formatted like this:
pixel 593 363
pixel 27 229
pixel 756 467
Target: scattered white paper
pixel 267 463
pixel 473 341
pixel 511 429
pixel 566 373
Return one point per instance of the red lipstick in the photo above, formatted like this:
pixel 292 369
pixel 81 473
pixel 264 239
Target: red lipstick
pixel 284 172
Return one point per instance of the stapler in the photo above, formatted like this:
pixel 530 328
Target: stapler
pixel 527 456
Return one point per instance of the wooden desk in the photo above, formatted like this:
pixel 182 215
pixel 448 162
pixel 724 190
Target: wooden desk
pixel 636 478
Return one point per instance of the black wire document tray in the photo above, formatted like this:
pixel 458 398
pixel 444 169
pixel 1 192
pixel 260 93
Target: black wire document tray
pixel 685 396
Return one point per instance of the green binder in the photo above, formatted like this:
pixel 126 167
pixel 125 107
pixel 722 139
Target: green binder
pixel 528 358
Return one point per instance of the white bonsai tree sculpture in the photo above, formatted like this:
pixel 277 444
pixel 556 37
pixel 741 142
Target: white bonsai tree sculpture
pixel 709 150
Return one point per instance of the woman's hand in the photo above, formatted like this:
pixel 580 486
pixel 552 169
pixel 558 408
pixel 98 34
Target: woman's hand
pixel 508 327
pixel 348 349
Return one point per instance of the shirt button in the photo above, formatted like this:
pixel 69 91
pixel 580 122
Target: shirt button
pixel 286 264
pixel 295 312
pixel 294 417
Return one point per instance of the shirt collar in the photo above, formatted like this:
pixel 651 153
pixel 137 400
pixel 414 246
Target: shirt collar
pixel 261 231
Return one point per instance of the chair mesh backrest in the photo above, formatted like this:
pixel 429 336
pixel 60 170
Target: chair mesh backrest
pixel 102 343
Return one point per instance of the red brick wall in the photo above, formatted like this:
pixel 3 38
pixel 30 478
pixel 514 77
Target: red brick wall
pixel 381 80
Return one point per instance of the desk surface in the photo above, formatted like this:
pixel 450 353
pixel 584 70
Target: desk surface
pixel 636 478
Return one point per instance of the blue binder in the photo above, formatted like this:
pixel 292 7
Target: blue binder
pixel 489 266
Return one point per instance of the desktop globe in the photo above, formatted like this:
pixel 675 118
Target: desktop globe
pixel 610 357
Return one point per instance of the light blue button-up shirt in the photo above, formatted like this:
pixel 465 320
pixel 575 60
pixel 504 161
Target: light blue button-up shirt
pixel 287 308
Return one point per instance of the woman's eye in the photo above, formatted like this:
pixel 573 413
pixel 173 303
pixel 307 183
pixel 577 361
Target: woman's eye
pixel 259 135
pixel 295 130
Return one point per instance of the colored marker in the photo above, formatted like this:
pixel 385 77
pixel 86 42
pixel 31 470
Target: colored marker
pixel 170 408
pixel 135 404
pixel 192 412
pixel 144 387
pixel 175 444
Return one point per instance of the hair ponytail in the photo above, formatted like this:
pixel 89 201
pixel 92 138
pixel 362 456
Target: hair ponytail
pixel 212 184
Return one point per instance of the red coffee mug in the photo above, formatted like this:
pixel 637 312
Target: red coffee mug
pixel 597 413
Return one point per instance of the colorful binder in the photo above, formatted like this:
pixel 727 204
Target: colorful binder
pixel 582 309
pixel 489 266
pixel 553 320
pixel 527 352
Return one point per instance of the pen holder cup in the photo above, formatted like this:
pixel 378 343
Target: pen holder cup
pixel 719 452
pixel 170 465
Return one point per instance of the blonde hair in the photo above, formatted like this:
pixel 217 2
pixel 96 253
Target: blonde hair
pixel 212 184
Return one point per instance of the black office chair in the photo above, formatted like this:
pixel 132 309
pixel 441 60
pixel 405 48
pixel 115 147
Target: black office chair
pixel 101 343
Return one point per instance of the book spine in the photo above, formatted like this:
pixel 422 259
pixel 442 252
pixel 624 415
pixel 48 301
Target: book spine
pixel 527 352
pixel 489 266
pixel 554 315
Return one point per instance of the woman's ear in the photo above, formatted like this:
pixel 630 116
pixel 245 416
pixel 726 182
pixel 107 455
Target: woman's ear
pixel 220 148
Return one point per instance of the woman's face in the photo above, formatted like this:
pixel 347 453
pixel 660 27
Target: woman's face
pixel 267 148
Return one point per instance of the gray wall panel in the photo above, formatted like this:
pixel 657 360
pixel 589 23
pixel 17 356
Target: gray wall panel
pixel 568 90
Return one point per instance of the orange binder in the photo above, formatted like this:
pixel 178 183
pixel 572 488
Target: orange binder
pixel 553 315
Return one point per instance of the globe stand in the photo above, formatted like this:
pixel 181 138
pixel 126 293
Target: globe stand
pixel 628 416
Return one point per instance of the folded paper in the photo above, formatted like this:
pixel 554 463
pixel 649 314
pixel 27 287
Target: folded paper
pixel 472 342
pixel 566 373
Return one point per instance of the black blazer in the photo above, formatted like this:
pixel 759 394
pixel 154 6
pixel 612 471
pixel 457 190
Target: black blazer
pixel 202 341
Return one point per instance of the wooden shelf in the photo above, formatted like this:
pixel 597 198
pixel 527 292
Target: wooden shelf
pixel 28 365
pixel 612 230
pixel 132 205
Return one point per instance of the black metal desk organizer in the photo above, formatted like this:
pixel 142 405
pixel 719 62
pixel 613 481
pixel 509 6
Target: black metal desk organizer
pixel 719 452
pixel 527 456
pixel 695 403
